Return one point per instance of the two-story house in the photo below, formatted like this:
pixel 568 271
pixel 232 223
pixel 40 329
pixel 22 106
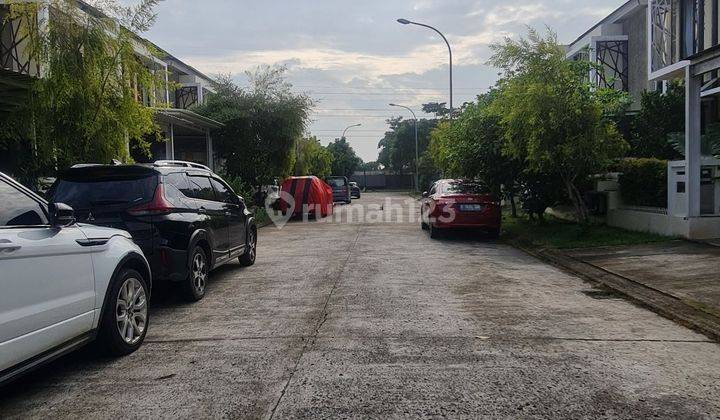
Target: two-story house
pixel 187 133
pixel 618 44
pixel 641 46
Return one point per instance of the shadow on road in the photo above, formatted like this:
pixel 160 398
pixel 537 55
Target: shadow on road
pixel 90 358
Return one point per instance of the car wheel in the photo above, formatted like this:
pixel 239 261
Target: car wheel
pixel 125 318
pixel 194 286
pixel 248 258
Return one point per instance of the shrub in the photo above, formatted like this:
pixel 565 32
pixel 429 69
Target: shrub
pixel 643 182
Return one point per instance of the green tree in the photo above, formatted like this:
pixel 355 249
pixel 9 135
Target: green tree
pixel 344 160
pixel 661 114
pixel 472 147
pixel 261 124
pixel 553 119
pixel 86 105
pixel 397 147
pixel 312 158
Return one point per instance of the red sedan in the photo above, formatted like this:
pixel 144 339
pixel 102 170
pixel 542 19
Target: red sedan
pixel 458 204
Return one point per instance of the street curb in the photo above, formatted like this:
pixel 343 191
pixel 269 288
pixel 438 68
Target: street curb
pixel 662 303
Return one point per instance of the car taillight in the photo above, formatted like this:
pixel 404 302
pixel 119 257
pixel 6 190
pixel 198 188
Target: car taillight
pixel 440 207
pixel 158 205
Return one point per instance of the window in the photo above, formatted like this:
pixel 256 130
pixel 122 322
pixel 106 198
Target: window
pixel 89 192
pixel 180 182
pixel 336 182
pixel 223 192
pixel 464 188
pixel 203 188
pixel 17 209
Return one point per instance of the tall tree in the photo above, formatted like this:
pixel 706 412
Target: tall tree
pixel 344 160
pixel 261 124
pixel 472 147
pixel 312 158
pixel 397 147
pixel 553 119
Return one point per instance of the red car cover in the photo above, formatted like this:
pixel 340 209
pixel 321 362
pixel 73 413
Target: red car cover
pixel 310 194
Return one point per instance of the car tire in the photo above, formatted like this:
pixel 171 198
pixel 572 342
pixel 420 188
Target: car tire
pixel 193 288
pixel 434 232
pixel 126 317
pixel 248 258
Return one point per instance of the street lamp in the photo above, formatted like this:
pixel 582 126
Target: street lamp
pixel 417 152
pixel 346 130
pixel 409 22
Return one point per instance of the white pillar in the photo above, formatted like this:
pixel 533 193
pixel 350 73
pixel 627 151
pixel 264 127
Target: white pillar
pixel 170 144
pixel 209 150
pixel 693 120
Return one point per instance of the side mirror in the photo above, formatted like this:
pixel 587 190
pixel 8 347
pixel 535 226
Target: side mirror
pixel 426 195
pixel 61 215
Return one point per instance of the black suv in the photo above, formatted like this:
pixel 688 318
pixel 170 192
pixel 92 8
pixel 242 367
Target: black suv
pixel 185 218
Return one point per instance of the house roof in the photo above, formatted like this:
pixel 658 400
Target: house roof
pixel 619 13
pixel 186 118
pixel 164 55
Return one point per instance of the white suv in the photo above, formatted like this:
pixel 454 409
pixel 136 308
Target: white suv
pixel 63 284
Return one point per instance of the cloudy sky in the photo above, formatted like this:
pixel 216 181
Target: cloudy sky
pixel 353 57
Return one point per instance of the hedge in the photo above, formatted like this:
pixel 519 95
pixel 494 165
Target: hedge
pixel 643 182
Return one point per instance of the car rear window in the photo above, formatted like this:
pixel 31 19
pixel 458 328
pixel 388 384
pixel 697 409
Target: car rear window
pixel 465 188
pixel 99 192
pixel 336 182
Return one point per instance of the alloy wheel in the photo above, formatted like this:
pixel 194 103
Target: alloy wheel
pixel 252 243
pixel 131 310
pixel 199 272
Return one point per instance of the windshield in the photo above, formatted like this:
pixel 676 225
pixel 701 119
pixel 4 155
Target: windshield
pixel 464 188
pixel 95 193
pixel 336 182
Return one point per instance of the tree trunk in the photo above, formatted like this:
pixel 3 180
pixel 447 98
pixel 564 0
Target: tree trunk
pixel 581 212
pixel 513 205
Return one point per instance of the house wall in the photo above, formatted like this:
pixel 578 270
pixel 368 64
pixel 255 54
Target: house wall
pixel 635 27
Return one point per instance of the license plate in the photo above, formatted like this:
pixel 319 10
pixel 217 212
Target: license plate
pixel 471 207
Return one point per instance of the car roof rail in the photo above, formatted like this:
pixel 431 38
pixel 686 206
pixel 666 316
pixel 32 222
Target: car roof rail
pixel 181 163
pixel 85 165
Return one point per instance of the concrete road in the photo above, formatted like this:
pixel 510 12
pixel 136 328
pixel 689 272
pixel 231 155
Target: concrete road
pixel 358 319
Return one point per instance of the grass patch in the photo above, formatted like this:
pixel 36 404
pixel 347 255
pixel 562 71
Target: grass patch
pixel 560 234
pixel 261 216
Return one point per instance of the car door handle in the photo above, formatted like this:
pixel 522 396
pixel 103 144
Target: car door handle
pixel 202 210
pixel 8 247
pixel 228 213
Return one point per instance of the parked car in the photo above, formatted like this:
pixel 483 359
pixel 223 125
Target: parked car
pixel 64 284
pixel 341 189
pixel 354 190
pixel 460 204
pixel 185 218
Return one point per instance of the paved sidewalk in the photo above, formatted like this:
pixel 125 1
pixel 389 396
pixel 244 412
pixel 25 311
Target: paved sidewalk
pixel 687 271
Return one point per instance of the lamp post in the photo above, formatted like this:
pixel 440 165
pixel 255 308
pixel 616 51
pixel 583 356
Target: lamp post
pixel 409 22
pixel 417 150
pixel 349 127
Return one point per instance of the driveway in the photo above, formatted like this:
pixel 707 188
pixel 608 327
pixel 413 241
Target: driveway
pixel 355 319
